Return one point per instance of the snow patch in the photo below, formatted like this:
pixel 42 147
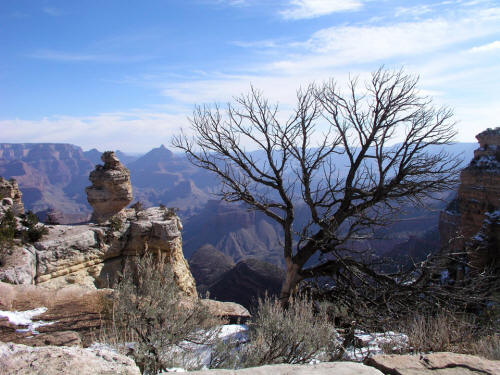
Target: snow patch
pixel 25 318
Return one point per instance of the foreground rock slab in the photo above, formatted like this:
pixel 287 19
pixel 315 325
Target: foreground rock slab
pixel 435 363
pixel 51 360
pixel 329 368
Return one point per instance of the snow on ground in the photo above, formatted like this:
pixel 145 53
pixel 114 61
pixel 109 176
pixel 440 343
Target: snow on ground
pixel 25 318
pixel 196 355
pixel 373 343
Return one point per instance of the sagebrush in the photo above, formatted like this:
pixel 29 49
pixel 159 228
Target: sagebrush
pixel 150 311
pixel 277 334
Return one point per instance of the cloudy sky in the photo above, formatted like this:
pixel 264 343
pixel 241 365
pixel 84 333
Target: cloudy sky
pixel 117 74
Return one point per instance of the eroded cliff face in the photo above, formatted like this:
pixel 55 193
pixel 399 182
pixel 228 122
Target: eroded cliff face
pixel 111 190
pixel 478 197
pixel 10 189
pixel 92 255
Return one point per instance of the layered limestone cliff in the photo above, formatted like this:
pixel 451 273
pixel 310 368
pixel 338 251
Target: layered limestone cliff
pixel 111 190
pixel 9 189
pixel 478 197
pixel 92 255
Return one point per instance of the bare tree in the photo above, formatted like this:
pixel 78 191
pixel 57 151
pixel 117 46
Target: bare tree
pixel 384 129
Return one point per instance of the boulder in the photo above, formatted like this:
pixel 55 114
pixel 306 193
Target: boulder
pixel 19 265
pixel 51 360
pixel 111 190
pixel 434 363
pixel 328 368
pixel 231 311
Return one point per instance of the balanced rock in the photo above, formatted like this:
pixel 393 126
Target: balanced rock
pixel 111 190
pixel 9 189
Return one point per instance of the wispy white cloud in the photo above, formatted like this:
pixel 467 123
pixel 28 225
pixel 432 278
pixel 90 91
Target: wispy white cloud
pixel 415 11
pixel 134 131
pixel 63 56
pixel 256 44
pixel 486 47
pixel 343 45
pixel 302 9
pixel 54 12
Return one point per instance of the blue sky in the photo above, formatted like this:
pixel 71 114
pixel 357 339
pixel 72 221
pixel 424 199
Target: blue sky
pixel 117 74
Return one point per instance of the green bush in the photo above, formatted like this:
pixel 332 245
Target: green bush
pixel 8 227
pixel 33 230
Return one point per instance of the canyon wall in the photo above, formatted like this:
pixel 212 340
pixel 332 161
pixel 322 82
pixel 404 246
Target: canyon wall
pixel 473 211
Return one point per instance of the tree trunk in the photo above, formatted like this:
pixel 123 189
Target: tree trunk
pixel 291 280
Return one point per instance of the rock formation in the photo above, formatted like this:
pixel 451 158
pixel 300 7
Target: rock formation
pixel 111 190
pixel 10 190
pixel 91 255
pixel 478 194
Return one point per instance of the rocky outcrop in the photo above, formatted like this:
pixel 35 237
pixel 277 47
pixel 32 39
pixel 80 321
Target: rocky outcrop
pixel 51 360
pixel 111 190
pixel 329 368
pixel 10 189
pixel 92 255
pixel 434 363
pixel 158 231
pixel 478 194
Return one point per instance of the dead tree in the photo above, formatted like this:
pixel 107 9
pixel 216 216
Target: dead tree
pixel 384 130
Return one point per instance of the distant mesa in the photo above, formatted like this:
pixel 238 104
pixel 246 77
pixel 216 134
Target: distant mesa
pixel 111 190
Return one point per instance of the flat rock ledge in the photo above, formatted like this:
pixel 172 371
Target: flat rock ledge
pixel 328 368
pixel 53 360
pixel 435 363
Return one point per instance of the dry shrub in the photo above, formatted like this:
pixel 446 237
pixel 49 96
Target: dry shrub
pixel 488 347
pixel 444 331
pixel 282 335
pixel 148 312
